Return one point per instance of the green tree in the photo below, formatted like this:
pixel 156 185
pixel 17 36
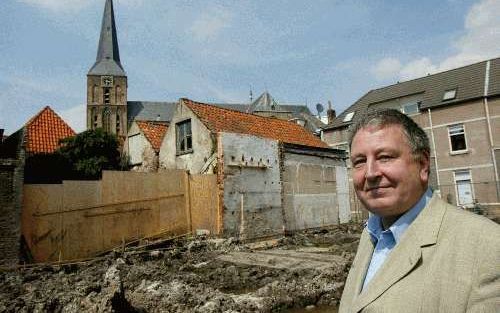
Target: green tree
pixel 90 152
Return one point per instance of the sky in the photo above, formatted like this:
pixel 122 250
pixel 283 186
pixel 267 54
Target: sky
pixel 301 52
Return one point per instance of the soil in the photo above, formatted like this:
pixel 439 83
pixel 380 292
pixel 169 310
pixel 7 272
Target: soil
pixel 303 272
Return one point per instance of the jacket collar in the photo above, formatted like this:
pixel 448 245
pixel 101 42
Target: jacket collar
pixel 422 232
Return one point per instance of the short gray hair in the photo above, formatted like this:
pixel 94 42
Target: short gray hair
pixel 416 136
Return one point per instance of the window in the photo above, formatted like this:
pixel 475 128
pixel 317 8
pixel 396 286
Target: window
pixel 107 96
pixel 184 137
pixel 450 94
pixel 410 108
pixel 464 187
pixel 348 117
pixel 457 138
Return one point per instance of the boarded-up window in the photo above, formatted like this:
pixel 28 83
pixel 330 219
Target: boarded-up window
pixel 464 187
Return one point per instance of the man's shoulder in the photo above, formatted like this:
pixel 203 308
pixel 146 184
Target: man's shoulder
pixel 464 222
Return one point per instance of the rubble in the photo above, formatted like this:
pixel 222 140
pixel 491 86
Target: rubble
pixel 299 273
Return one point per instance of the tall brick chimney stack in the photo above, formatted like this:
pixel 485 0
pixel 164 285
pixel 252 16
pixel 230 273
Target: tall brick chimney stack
pixel 330 113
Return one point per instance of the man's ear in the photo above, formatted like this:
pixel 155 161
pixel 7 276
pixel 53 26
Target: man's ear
pixel 425 164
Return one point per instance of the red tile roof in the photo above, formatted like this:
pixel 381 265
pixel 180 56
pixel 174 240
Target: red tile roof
pixel 44 130
pixel 224 120
pixel 154 132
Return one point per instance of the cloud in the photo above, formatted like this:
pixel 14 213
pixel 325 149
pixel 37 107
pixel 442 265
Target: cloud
pixel 65 6
pixel 75 117
pixel 478 42
pixel 418 68
pixel 210 23
pixel 386 68
pixel 58 6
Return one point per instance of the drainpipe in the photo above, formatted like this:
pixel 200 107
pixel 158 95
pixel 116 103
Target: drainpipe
pixel 488 122
pixel 434 148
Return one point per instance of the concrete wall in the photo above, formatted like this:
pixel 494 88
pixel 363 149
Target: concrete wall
pixel 204 145
pixel 315 191
pixel 251 186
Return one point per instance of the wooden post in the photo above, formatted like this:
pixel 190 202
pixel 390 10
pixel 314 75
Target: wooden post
pixel 187 192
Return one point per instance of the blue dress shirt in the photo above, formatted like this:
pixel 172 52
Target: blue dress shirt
pixel 386 240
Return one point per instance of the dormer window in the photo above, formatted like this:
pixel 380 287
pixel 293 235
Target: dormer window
pixel 450 94
pixel 410 108
pixel 348 117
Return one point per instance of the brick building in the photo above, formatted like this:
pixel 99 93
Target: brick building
pixel 460 111
pixel 19 162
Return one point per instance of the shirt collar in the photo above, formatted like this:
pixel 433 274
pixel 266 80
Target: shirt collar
pixel 374 223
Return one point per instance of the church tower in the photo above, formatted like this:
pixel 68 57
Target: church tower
pixel 107 82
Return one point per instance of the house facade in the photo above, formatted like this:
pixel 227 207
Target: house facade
pixel 460 111
pixel 273 175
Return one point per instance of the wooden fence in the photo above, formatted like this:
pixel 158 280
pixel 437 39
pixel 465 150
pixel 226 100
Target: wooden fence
pixel 79 219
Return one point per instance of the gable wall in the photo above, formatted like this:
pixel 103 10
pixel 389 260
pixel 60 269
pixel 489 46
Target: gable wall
pixel 203 144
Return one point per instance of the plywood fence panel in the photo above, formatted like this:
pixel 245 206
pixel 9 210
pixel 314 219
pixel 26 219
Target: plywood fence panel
pixel 204 203
pixel 79 219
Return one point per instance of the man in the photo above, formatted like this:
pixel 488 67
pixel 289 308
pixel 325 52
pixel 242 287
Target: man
pixel 417 253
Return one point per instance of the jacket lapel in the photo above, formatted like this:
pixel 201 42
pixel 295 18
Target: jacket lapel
pixel 405 256
pixel 360 265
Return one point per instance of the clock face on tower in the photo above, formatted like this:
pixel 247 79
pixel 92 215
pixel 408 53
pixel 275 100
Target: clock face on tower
pixel 107 81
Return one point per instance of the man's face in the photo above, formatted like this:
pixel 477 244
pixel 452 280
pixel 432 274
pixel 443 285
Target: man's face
pixel 387 178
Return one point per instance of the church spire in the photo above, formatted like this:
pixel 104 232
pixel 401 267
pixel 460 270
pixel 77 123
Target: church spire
pixel 108 55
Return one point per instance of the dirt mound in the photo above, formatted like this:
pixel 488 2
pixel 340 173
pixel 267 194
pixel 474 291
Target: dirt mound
pixel 193 275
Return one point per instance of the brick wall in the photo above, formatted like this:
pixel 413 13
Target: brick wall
pixel 11 179
pixel 11 184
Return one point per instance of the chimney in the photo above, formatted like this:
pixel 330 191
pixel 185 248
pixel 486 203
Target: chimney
pixel 330 113
pixel 1 135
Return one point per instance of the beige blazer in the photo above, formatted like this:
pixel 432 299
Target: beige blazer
pixel 448 260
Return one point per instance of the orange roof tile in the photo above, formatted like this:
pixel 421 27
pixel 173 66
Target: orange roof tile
pixel 154 132
pixel 224 120
pixel 44 130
